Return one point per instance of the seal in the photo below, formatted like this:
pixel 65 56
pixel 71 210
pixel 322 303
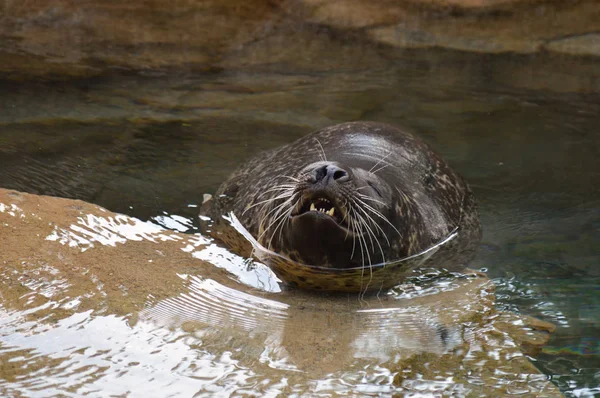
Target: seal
pixel 352 196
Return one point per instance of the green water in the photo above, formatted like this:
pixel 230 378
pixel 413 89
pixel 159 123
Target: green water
pixel 151 146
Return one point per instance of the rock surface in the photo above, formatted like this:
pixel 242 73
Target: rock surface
pixel 108 289
pixel 79 39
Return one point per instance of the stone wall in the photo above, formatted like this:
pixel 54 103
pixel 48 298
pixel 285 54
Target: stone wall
pixel 86 38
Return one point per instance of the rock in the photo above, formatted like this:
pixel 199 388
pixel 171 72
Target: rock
pixel 111 292
pixel 66 39
pixel 91 37
pixel 489 26
pixel 585 45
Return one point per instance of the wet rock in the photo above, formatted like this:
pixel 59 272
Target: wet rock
pixel 489 26
pixel 88 38
pixel 74 39
pixel 588 44
pixel 94 283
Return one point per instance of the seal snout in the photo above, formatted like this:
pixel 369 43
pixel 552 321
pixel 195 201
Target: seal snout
pixel 330 172
pixel 322 192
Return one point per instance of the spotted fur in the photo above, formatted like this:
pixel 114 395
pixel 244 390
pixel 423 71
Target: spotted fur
pixel 429 203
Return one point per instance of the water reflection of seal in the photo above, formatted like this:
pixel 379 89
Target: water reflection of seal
pixel 352 195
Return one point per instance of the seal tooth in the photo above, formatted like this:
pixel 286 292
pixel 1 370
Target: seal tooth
pixel 312 207
pixel 330 212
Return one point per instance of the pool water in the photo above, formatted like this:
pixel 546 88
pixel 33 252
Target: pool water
pixel 151 146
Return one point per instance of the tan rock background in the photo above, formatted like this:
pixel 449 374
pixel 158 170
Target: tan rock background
pixel 86 38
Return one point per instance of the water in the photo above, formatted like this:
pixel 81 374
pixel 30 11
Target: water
pixel 151 146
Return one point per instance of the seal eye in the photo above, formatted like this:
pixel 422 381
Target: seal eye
pixel 372 185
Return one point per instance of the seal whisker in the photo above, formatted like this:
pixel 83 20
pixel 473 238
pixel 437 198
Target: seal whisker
pixel 345 206
pixel 362 222
pixel 379 161
pixel 378 214
pixel 283 192
pixel 280 206
pixel 360 241
pixel 373 234
pixel 282 187
pixel 277 220
pixel 322 150
pixel 364 291
pixel 295 179
pixel 363 196
pixel 381 168
pixel 372 220
pixel 277 210
pixel 362 268
pixel 369 234
pixel 282 196
pixel 362 271
pixel 354 233
pixel 364 155
pixel 280 219
pixel 281 223
pixel 363 246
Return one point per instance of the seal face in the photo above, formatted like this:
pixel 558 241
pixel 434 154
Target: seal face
pixel 353 195
pixel 337 211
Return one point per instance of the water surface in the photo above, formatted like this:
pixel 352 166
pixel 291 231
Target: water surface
pixel 151 146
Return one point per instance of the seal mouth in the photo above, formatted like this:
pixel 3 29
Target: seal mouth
pixel 323 206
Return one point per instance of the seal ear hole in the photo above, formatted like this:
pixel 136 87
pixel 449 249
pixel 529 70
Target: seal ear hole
pixel 428 180
pixel 372 185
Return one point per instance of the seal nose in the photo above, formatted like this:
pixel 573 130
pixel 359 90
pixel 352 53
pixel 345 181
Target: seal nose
pixel 331 172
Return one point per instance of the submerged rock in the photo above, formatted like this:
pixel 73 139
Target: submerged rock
pixel 114 294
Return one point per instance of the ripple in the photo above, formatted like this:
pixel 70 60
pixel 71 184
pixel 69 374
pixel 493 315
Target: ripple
pixel 210 303
pixel 119 301
pixel 82 358
pixel 109 231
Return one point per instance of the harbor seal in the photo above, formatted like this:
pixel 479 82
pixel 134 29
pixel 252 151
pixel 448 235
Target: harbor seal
pixel 352 196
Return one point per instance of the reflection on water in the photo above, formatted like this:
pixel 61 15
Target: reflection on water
pixel 79 318
pixel 188 317
pixel 379 277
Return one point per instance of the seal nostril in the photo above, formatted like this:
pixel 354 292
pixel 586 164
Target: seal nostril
pixel 320 173
pixel 330 172
pixel 339 174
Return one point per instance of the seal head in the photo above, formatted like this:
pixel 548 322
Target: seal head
pixel 353 195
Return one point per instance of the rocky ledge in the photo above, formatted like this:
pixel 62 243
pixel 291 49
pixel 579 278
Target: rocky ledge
pixel 65 260
pixel 87 38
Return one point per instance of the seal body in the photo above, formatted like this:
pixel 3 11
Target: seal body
pixel 353 195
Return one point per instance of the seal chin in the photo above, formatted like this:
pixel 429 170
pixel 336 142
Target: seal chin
pixel 318 239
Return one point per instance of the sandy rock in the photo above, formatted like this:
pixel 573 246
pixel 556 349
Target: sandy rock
pixel 94 283
pixel 588 44
pixel 78 39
